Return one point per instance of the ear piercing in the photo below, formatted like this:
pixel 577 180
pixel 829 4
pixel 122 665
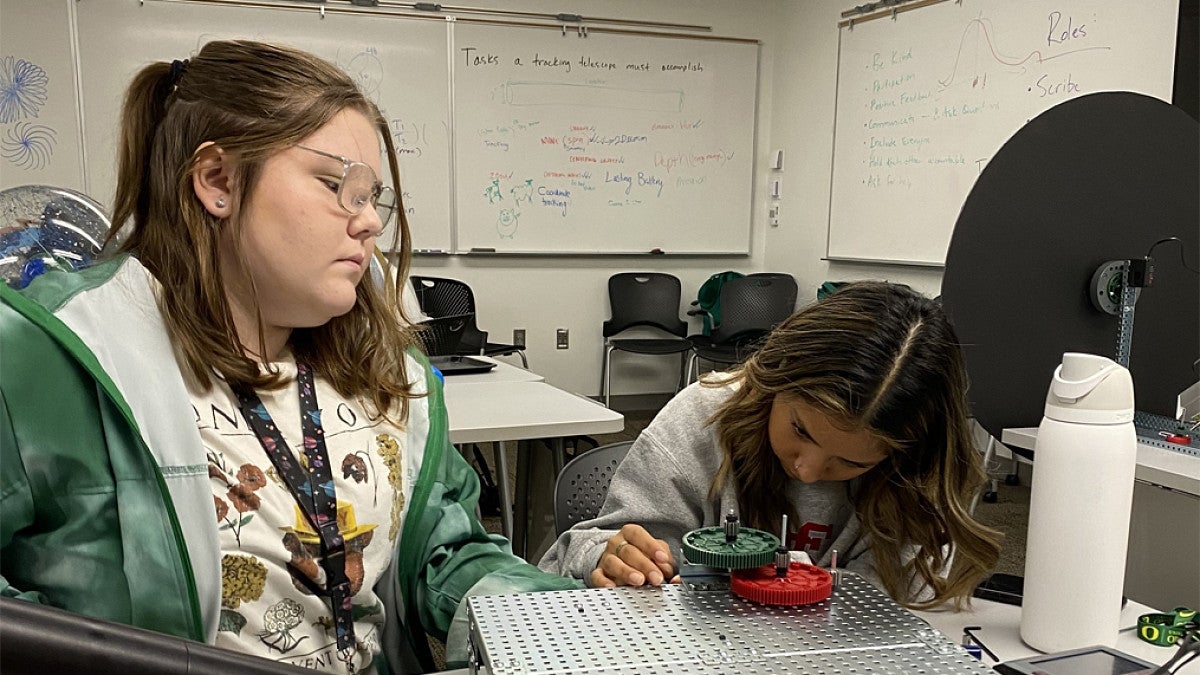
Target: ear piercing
pixel 220 202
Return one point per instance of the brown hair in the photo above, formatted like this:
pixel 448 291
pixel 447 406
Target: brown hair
pixel 252 100
pixel 881 358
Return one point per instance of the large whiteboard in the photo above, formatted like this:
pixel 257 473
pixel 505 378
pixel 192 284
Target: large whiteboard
pixel 654 136
pixel 926 98
pixel 604 144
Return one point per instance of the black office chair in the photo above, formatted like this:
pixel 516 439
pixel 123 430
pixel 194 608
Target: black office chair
pixel 443 335
pixel 583 483
pixel 751 306
pixel 450 297
pixel 643 299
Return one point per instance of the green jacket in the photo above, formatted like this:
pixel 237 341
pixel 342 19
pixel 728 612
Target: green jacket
pixel 105 507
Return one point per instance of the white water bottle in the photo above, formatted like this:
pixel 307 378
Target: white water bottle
pixel 1082 494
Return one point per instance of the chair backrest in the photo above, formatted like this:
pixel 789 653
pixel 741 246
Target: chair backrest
pixel 753 305
pixel 708 299
pixel 644 299
pixel 581 487
pixel 442 336
pixel 440 297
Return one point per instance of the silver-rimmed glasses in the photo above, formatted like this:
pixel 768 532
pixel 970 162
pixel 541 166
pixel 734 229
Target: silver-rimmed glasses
pixel 360 187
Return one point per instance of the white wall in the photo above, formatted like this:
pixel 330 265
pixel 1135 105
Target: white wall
pixel 797 82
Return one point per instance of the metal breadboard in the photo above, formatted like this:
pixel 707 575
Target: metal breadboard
pixel 1149 425
pixel 674 629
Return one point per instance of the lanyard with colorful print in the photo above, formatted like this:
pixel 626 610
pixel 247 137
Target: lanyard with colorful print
pixel 312 487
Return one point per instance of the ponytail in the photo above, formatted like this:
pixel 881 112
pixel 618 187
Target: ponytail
pixel 142 113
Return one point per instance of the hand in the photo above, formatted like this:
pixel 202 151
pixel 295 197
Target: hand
pixel 632 558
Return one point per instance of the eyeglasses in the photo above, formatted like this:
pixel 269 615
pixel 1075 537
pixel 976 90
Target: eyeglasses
pixel 359 187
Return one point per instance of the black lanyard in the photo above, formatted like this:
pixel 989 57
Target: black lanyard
pixel 313 491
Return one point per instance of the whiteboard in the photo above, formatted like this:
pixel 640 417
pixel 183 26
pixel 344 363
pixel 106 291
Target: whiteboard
pixel 39 120
pixel 401 64
pixel 925 99
pixel 604 144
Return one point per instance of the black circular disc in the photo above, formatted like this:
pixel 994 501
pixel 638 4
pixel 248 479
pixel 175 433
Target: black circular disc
pixel 1101 177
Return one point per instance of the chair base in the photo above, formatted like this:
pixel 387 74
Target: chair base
pixel 693 365
pixel 606 367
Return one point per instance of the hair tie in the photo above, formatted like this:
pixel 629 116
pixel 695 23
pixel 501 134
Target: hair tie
pixel 178 68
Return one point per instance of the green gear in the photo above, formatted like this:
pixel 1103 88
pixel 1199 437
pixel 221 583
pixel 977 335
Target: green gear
pixel 707 546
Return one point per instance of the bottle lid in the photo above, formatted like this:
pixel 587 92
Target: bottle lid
pixel 1090 389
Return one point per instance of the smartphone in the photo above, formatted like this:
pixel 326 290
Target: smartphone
pixel 1006 588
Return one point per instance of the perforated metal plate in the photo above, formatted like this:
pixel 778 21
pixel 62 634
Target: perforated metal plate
pixel 676 630
pixel 1148 425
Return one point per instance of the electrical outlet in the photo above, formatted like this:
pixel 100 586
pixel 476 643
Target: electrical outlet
pixel 519 337
pixel 563 338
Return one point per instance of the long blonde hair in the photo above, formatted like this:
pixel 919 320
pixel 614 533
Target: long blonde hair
pixel 881 358
pixel 252 100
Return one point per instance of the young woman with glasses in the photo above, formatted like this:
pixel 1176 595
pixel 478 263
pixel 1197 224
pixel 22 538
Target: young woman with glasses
pixel 224 432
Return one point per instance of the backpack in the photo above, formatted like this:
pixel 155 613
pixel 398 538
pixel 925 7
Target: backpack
pixel 708 299
pixel 828 288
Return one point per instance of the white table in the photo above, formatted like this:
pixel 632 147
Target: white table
pixel 1000 631
pixel 503 372
pixel 1167 468
pixel 506 408
pixel 1164 540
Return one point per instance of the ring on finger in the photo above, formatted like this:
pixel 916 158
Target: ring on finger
pixel 617 550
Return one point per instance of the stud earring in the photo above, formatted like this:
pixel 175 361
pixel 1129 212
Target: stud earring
pixel 220 202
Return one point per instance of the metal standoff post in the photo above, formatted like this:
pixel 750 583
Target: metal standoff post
pixel 731 526
pixel 833 569
pixel 782 560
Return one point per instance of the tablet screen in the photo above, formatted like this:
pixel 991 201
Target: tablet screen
pixel 1088 663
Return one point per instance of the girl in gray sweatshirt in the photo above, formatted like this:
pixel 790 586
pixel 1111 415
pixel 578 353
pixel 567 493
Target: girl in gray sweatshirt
pixel 851 419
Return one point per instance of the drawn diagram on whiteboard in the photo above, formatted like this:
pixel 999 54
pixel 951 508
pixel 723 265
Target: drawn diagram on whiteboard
pixel 409 137
pixel 506 224
pixel 22 89
pixel 522 192
pixel 978 46
pixel 530 93
pixel 365 69
pixel 23 92
pixel 27 145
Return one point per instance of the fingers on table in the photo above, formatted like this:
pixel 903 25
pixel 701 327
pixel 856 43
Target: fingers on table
pixel 634 557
